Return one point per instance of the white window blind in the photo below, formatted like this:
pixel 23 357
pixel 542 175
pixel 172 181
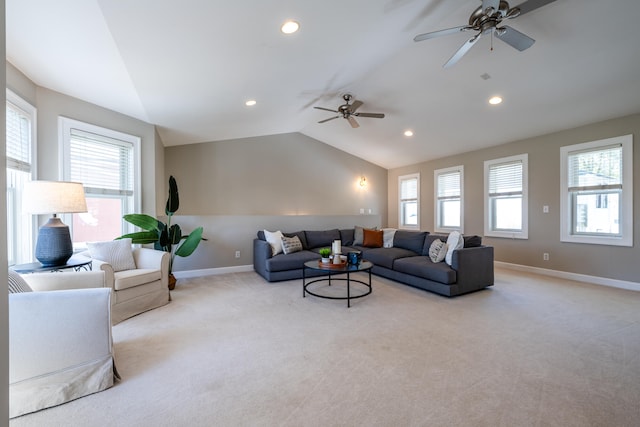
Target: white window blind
pixel 505 179
pixel 18 139
pixel 449 185
pixel 596 170
pixel 104 165
pixel 409 189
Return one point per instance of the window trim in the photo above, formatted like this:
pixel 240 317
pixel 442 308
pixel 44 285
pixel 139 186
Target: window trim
pixel 436 205
pixel 524 232
pixel 65 125
pixel 401 224
pixel 626 209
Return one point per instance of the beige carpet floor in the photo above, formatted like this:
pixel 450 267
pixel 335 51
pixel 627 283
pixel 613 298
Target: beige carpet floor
pixel 233 350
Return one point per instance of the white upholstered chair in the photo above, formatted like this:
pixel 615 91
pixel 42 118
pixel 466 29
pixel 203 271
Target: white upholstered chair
pixel 60 346
pixel 139 283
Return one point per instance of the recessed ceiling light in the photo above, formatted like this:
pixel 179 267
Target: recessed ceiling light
pixel 290 27
pixel 250 103
pixel 408 132
pixel 495 100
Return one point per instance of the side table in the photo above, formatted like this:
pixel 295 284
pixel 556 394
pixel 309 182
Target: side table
pixel 77 263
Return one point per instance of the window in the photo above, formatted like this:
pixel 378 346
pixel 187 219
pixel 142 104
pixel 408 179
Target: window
pixel 597 192
pixel 21 137
pixel 409 209
pixel 506 197
pixel 107 163
pixel 448 199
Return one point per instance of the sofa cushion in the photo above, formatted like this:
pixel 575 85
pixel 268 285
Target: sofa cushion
pixel 372 238
pixel 411 240
pixel 346 235
pixel 421 266
pixel 472 241
pixel 118 253
pixel 317 239
pixel 291 244
pixel 385 257
pixel 132 278
pixel 292 261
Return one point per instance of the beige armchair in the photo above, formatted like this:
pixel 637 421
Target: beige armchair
pixel 60 347
pixel 134 291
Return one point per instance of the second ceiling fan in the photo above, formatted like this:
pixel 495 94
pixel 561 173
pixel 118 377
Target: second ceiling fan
pixel 486 19
pixel 348 111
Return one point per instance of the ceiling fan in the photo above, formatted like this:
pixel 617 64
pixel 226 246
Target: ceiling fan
pixel 347 111
pixel 486 19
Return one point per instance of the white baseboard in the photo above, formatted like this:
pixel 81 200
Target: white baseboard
pixel 211 271
pixel 622 284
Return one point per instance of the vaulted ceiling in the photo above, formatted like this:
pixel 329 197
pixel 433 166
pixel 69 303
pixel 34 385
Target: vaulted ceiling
pixel 189 66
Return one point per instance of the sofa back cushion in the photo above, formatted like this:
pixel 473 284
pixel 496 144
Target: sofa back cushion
pixel 410 240
pixel 346 236
pixel 316 239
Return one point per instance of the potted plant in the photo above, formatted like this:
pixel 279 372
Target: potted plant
pixel 325 253
pixel 165 237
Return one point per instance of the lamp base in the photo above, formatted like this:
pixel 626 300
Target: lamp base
pixel 54 246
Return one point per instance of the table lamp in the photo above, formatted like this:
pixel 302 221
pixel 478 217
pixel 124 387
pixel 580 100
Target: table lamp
pixel 53 246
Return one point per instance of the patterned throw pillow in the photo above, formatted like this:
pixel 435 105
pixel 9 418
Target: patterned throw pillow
pixel 17 284
pixel 291 244
pixel 116 252
pixel 437 251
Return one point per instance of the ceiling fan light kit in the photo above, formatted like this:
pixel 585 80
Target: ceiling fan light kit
pixel 486 19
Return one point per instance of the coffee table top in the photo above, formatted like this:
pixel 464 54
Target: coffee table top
pixel 317 265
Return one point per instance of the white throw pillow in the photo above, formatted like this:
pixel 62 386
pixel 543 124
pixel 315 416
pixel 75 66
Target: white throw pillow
pixel 437 251
pixel 118 253
pixel 387 237
pixel 274 238
pixel 454 241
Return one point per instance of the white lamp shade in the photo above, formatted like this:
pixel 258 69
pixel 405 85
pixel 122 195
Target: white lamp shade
pixel 53 197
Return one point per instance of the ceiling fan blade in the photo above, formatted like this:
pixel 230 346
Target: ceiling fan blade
pixel 530 5
pixel 326 120
pixel 515 38
pixel 356 104
pixel 326 109
pixel 353 122
pixel 463 49
pixel 490 4
pixel 374 115
pixel 441 33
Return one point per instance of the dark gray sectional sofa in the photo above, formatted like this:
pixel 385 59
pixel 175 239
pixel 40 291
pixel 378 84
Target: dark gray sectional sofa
pixel 407 261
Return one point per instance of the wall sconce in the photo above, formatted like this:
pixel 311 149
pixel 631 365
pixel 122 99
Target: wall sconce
pixel 363 181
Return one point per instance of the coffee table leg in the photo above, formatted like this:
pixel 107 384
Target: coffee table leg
pixel 348 290
pixel 304 289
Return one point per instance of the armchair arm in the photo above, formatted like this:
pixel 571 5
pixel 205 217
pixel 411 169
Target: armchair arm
pixel 154 259
pixel 65 280
pixel 51 331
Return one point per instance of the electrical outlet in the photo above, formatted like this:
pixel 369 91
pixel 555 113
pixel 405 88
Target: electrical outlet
pixel 545 209
pixel 545 256
pixel 237 254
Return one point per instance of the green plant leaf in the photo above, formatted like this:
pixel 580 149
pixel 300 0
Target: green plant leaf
pixel 173 201
pixel 143 221
pixel 141 237
pixel 190 243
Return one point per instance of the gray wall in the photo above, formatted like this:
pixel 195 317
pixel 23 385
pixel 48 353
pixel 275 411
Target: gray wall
pixel 620 263
pixel 289 182
pixel 51 105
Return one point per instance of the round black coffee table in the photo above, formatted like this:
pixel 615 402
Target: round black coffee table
pixel 331 270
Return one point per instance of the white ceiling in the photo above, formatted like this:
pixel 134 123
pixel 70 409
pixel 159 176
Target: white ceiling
pixel 188 67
